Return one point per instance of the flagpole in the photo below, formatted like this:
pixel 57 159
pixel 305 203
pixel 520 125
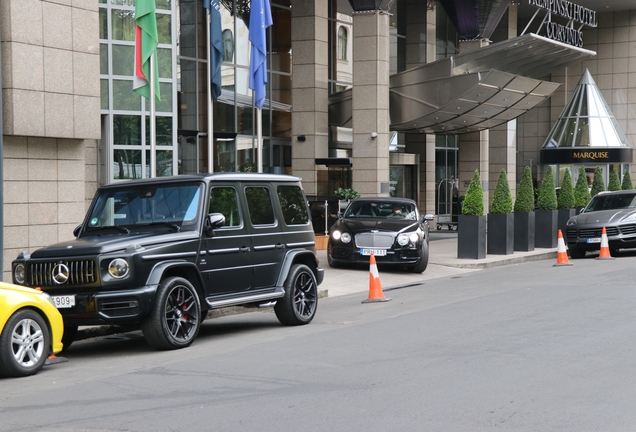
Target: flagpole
pixel 153 125
pixel 210 102
pixel 259 139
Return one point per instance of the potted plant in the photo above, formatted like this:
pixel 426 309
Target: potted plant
pixel 344 197
pixel 500 219
pixel 524 216
pixel 471 234
pixel 598 185
pixel 565 202
pixel 627 181
pixel 614 183
pixel 581 192
pixel 546 219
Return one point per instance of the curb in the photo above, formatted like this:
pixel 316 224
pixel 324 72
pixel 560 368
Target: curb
pixel 502 262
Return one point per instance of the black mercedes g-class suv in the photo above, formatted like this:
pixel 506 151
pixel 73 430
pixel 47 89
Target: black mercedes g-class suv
pixel 162 252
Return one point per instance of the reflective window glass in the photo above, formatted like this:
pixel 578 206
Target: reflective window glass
pixel 224 200
pixel 123 22
pixel 103 87
pixel 259 204
pixel 124 98
pixel 126 130
pixel 103 59
pixel 292 203
pixel 123 59
pixel 164 32
pixel 126 164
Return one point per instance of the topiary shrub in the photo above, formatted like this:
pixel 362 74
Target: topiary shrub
pixel 614 183
pixel 525 193
pixel 474 201
pixel 627 181
pixel 566 195
pixel 547 193
pixel 581 192
pixel 598 185
pixel 345 194
pixel 502 199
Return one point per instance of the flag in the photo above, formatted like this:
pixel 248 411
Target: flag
pixel 260 19
pixel 216 46
pixel 146 41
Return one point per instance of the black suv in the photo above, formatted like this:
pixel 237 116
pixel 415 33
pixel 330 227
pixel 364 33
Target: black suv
pixel 162 252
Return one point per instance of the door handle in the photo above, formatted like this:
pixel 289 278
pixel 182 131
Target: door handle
pixel 280 246
pixel 244 249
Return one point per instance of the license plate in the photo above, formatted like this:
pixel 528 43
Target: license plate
pixel 594 240
pixel 62 302
pixel 376 252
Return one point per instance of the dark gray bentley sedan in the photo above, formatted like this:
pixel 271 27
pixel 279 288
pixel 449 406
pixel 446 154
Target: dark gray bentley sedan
pixel 616 211
pixel 391 228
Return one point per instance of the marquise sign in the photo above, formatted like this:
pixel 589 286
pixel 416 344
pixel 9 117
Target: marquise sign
pixel 570 11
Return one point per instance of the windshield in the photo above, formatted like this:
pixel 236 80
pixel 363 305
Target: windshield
pixel 144 205
pixel 612 202
pixel 382 210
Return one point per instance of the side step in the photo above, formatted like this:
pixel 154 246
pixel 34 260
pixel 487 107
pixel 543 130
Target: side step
pixel 236 301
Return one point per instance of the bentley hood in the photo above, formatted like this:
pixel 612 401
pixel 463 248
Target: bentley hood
pixel 393 225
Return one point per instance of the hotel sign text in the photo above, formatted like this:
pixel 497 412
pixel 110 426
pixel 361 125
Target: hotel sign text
pixel 573 12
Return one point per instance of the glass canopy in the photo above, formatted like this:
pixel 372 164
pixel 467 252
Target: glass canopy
pixel 586 120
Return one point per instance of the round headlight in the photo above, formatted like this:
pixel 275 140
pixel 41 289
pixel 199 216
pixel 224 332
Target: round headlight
pixel 414 237
pixel 346 237
pixel 571 222
pixel 18 273
pixel 336 235
pixel 118 268
pixel 403 239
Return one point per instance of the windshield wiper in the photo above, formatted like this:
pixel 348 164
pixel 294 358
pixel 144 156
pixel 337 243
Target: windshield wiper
pixel 117 227
pixel 172 225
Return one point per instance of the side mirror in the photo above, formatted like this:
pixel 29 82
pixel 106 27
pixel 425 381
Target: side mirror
pixel 77 230
pixel 429 217
pixel 214 221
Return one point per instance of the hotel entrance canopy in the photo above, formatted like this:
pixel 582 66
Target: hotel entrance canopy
pixel 473 91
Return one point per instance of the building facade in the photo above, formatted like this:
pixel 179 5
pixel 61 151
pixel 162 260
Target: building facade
pixel 339 79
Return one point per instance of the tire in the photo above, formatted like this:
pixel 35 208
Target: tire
pixel 25 344
pixel 168 327
pixel 421 266
pixel 300 302
pixel 70 331
pixel 576 253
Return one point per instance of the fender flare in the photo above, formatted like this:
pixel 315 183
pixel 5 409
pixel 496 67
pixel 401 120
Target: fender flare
pixel 290 257
pixel 156 274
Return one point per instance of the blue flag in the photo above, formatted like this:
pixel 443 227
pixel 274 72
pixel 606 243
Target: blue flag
pixel 260 19
pixel 216 46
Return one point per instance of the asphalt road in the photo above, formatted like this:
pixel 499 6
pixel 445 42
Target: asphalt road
pixel 528 347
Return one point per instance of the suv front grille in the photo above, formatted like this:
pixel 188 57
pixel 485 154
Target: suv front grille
pixel 374 240
pixel 596 232
pixel 79 272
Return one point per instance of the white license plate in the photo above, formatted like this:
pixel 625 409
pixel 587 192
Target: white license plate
pixel 376 252
pixel 62 302
pixel 594 240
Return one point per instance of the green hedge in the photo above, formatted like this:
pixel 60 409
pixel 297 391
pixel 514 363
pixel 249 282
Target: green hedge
pixel 566 195
pixel 627 181
pixel 598 185
pixel 581 192
pixel 614 183
pixel 474 201
pixel 502 199
pixel 525 193
pixel 547 193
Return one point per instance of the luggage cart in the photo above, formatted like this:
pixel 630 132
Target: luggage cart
pixel 447 204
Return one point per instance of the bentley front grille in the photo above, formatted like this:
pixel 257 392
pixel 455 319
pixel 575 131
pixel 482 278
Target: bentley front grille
pixel 374 240
pixel 57 273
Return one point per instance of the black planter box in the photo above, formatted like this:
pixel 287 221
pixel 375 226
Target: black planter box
pixel 545 230
pixel 471 237
pixel 501 233
pixel 564 216
pixel 524 231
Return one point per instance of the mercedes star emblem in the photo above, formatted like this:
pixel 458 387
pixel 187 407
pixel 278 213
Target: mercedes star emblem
pixel 60 274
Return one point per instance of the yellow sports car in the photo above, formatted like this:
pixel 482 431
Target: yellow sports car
pixel 30 330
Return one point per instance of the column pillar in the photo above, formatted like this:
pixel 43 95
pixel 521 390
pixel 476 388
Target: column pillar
pixel 310 94
pixel 424 145
pixel 370 113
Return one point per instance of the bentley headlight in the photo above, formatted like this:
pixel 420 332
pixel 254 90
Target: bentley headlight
pixel 118 268
pixel 336 235
pixel 346 237
pixel 19 273
pixel 571 222
pixel 403 239
pixel 414 237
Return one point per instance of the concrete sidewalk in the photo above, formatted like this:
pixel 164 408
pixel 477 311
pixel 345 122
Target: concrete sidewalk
pixel 443 262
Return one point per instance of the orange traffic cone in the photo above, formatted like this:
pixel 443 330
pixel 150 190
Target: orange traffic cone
pixel 375 287
pixel 562 255
pixel 605 252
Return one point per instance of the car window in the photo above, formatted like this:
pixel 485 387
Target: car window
pixel 612 202
pixel 382 210
pixel 224 200
pixel 292 203
pixel 259 204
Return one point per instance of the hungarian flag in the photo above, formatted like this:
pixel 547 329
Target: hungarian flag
pixel 146 41
pixel 216 46
pixel 260 19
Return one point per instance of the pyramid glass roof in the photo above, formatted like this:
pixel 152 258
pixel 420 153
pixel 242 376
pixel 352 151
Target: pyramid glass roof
pixel 586 121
